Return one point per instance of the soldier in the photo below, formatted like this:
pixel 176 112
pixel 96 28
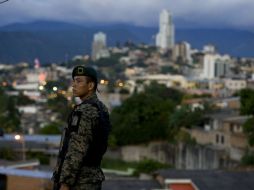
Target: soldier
pixel 84 140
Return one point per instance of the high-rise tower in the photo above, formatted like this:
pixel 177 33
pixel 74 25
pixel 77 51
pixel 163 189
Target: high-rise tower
pixel 99 46
pixel 165 39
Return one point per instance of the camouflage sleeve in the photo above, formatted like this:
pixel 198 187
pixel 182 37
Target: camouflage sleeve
pixel 78 144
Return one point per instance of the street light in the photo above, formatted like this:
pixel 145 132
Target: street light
pixel 22 141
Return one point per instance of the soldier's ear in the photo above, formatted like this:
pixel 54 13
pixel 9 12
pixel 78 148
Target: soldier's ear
pixel 90 86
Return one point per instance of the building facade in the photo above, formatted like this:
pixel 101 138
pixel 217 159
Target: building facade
pixel 99 46
pixel 165 37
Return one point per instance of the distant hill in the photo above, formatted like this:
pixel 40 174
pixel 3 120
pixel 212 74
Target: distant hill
pixel 58 41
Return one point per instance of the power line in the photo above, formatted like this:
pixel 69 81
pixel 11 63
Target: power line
pixel 3 1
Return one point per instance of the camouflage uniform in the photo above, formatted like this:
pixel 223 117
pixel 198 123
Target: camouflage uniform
pixel 74 172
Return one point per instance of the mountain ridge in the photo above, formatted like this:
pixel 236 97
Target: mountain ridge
pixel 54 41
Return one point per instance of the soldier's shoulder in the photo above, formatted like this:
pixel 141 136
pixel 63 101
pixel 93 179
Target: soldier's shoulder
pixel 104 107
pixel 88 110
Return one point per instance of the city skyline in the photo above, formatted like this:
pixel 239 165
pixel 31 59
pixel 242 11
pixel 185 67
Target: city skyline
pixel 186 13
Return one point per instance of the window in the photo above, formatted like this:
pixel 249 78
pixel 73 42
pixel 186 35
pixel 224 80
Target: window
pixel 222 139
pixel 217 138
pixel 231 127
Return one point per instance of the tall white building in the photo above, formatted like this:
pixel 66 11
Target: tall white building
pixel 165 39
pixel 99 46
pixel 215 65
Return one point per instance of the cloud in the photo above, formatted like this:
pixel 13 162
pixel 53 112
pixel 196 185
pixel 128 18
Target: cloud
pixel 213 13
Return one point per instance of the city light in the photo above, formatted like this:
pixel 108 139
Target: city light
pixel 41 87
pixel 104 82
pixel 17 137
pixel 54 88
pixel 43 83
pixel 120 84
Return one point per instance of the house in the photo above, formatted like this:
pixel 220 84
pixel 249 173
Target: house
pixel 205 179
pixel 223 131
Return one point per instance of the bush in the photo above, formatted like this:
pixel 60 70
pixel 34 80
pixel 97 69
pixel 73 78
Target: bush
pixel 149 166
pixel 44 159
pixel 248 159
pixel 7 154
pixel 117 164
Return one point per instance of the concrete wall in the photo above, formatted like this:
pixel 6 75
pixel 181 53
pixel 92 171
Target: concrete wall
pixel 159 151
pixel 181 156
pixel 196 157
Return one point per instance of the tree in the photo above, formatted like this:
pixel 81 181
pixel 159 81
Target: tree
pixel 184 117
pixel 247 101
pixel 24 100
pixel 60 105
pixel 9 114
pixel 144 117
pixel 51 129
pixel 60 84
pixel 148 166
pixel 7 154
pixel 160 90
pixel 141 119
pixel 249 130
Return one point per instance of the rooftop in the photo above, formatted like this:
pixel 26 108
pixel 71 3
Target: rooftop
pixel 213 179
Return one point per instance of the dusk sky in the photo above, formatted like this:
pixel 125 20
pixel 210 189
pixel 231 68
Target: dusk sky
pixel 190 13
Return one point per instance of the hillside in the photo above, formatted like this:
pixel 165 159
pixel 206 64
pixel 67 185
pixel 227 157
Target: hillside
pixel 56 41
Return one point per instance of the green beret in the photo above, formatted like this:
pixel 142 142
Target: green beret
pixel 84 71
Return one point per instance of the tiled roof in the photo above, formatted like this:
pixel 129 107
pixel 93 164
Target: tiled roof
pixel 213 179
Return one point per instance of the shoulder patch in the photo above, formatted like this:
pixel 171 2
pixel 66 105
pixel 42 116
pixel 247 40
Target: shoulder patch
pixel 75 120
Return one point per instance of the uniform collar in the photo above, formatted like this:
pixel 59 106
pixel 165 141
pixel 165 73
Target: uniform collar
pixel 93 96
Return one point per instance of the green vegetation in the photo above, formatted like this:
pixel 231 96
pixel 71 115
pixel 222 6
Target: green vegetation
pixel 43 158
pixel 247 101
pixel 153 115
pixel 185 137
pixel 149 166
pixel 249 130
pixel 60 105
pixel 7 154
pixel 169 70
pixel 51 129
pixel 164 93
pixel 145 116
pixel 117 164
pixel 247 104
pixel 60 84
pixel 21 99
pixel 248 159
pixel 186 117
pixel 141 118
pixel 145 166
pixel 9 115
pixel 183 117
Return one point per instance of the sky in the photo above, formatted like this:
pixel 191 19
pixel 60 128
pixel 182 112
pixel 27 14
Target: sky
pixel 186 13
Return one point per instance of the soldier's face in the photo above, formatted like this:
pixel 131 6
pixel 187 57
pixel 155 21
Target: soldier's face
pixel 81 87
